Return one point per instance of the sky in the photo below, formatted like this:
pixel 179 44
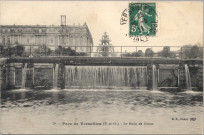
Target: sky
pixel 179 23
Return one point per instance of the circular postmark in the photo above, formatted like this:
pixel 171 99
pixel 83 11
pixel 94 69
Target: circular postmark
pixel 141 20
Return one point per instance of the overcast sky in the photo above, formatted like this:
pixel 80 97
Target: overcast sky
pixel 180 23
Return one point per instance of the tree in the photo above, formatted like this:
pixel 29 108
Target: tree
pixel 58 51
pixel 65 51
pixel 49 51
pixel 9 51
pixel 165 52
pixel 82 54
pixel 194 51
pixel 2 50
pixel 149 52
pixel 186 51
pixel 44 49
pixel 19 50
pixel 200 52
pixel 138 54
pixel 190 51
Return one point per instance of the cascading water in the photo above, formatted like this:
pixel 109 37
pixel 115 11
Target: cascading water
pixel 105 76
pixel 154 78
pixel 55 76
pixel 24 71
pixel 188 78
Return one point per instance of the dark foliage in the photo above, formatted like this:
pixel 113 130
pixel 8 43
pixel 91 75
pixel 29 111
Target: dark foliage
pixel 191 52
pixel 19 49
pixel 165 52
pixel 134 54
pixel 149 52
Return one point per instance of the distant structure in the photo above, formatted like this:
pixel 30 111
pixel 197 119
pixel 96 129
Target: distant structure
pixel 105 48
pixel 63 20
pixel 49 35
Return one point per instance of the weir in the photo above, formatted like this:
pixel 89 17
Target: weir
pixel 55 76
pixel 188 78
pixel 60 73
pixel 24 74
pixel 106 76
pixel 154 78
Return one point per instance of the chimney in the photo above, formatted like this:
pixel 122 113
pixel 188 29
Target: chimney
pixel 63 20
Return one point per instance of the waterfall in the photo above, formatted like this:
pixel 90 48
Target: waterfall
pixel 55 76
pixel 24 72
pixel 188 78
pixel 106 76
pixel 154 78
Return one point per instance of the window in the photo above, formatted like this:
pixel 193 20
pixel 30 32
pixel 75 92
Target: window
pixel 19 30
pixel 51 40
pixel 16 38
pixel 4 40
pixel 8 40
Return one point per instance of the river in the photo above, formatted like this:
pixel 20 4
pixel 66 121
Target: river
pixel 101 111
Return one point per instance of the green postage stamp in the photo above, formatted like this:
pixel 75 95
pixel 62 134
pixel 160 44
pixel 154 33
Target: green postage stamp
pixel 142 19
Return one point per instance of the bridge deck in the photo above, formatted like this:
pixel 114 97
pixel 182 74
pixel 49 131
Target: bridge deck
pixel 103 60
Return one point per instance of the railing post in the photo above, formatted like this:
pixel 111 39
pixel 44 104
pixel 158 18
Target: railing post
pixel 75 50
pixel 136 51
pixel 90 51
pixel 181 53
pixel 121 51
pixel 46 49
pixel 30 50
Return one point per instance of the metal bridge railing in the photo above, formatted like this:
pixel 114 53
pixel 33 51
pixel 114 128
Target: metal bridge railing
pixel 174 52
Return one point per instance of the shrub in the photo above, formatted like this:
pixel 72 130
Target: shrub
pixel 194 51
pixel 165 52
pixel 19 50
pixel 149 52
pixel 1 51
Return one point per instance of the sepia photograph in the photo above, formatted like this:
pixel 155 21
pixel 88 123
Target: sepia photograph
pixel 101 67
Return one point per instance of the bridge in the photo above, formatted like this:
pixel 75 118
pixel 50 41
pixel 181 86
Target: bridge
pixel 55 72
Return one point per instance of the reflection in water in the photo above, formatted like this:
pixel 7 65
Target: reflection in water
pixel 43 107
pixel 126 97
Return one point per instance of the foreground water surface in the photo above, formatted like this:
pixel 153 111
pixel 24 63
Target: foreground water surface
pixel 101 111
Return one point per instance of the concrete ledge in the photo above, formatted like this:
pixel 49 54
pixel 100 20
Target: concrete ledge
pixel 102 60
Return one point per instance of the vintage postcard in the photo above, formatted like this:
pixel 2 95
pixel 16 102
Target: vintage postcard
pixel 101 67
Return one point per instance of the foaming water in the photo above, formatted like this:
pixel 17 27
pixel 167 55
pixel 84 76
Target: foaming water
pixel 156 91
pixel 188 78
pixel 121 90
pixel 53 90
pixel 105 76
pixel 154 78
pixel 21 90
pixel 192 92
pixel 43 107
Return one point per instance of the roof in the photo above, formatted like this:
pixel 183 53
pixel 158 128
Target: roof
pixel 46 29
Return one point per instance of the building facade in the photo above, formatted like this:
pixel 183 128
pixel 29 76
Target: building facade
pixel 77 37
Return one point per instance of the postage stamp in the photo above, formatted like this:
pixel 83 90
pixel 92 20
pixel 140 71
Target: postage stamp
pixel 142 19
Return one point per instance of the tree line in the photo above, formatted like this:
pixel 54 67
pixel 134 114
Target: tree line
pixel 185 52
pixel 43 50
